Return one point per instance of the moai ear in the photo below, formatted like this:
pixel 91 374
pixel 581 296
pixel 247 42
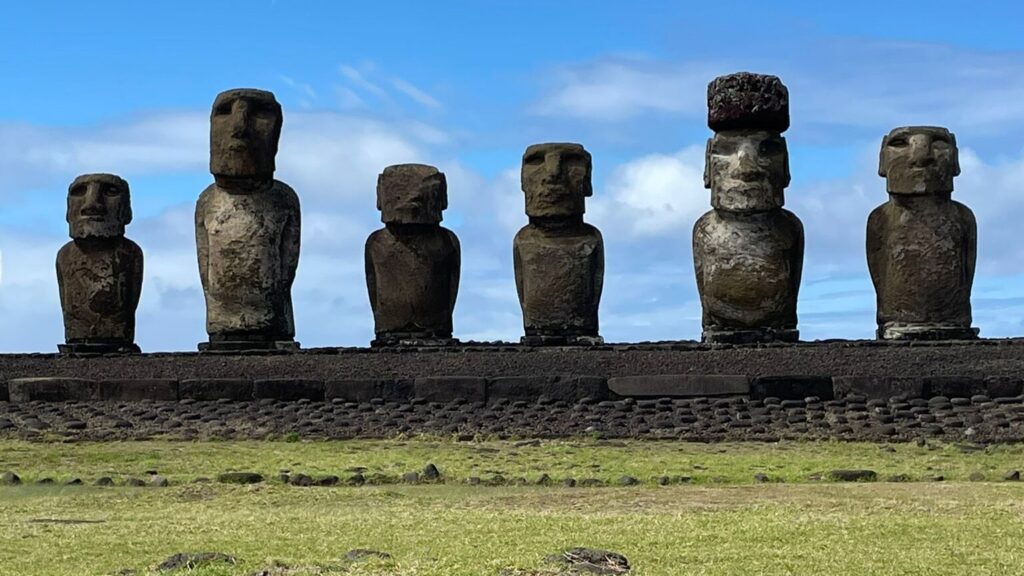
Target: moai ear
pixel 785 164
pixel 707 164
pixel 444 190
pixel 881 157
pixel 956 154
pixel 126 212
pixel 380 177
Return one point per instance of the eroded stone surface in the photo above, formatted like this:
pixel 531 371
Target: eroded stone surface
pixel 748 251
pixel 99 273
pixel 413 263
pixel 922 245
pixel 247 227
pixel 558 259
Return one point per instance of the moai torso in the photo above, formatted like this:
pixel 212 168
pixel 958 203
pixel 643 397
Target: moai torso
pixel 99 273
pixel 559 274
pixel 248 228
pixel 748 269
pixel 413 263
pixel 558 259
pixel 748 251
pixel 100 285
pixel 921 245
pixel 249 247
pixel 414 280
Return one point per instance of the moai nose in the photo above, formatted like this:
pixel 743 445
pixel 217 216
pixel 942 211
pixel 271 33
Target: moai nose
pixel 239 118
pixel 93 205
pixel 746 159
pixel 921 150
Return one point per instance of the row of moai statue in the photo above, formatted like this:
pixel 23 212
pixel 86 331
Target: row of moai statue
pixel 747 251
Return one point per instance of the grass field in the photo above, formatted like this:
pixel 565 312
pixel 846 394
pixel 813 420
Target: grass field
pixel 719 523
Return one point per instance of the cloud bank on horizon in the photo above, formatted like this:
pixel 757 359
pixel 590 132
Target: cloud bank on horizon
pixel 471 107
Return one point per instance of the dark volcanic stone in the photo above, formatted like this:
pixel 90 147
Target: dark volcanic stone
pixel 592 561
pixel 853 475
pixel 193 560
pixel 239 478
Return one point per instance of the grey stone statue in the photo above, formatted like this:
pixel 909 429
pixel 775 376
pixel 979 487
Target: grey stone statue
pixel 99 271
pixel 413 263
pixel 558 258
pixel 748 251
pixel 922 245
pixel 247 228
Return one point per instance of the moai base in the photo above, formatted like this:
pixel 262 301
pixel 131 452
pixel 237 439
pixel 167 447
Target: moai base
pixel 413 263
pixel 921 244
pixel 748 251
pixel 247 229
pixel 558 258
pixel 99 272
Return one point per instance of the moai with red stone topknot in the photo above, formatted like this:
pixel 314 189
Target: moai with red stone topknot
pixel 748 251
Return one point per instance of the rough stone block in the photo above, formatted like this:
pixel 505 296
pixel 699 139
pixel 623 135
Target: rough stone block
pixel 448 388
pixel 289 389
pixel 879 386
pixel 237 389
pixel 680 385
pixel 4 395
pixel 792 387
pixel 365 389
pixel 558 387
pixel 162 389
pixel 54 389
pixel 952 386
pixel 1001 386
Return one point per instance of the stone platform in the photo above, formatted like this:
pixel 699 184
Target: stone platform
pixel 489 373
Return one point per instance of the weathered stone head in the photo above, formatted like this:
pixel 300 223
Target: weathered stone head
pixel 919 160
pixel 411 194
pixel 245 126
pixel 556 179
pixel 747 163
pixel 99 206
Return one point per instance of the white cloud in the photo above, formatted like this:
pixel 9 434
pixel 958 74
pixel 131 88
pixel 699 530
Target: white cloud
pixel 417 95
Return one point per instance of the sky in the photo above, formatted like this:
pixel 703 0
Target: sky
pixel 126 87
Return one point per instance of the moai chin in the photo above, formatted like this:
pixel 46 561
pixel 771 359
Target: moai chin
pixel 748 251
pixel 413 263
pixel 99 272
pixel 247 228
pixel 922 245
pixel 559 259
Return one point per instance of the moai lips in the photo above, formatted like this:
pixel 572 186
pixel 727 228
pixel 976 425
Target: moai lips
pixel 247 228
pixel 559 259
pixel 922 245
pixel 99 272
pixel 748 251
pixel 413 263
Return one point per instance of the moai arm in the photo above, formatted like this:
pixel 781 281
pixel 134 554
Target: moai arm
pixel 292 235
pixel 798 249
pixel 456 270
pixel 876 246
pixel 517 268
pixel 135 277
pixel 598 275
pixel 371 273
pixel 202 240
pixel 60 277
pixel 698 260
pixel 970 242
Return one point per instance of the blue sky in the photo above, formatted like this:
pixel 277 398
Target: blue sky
pixel 126 88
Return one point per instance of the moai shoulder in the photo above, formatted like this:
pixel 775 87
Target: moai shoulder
pixel 248 228
pixel 413 264
pixel 558 258
pixel 99 273
pixel 921 245
pixel 748 250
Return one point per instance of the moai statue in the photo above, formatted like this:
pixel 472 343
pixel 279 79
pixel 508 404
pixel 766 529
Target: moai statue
pixel 247 228
pixel 413 263
pixel 921 244
pixel 748 251
pixel 559 259
pixel 100 271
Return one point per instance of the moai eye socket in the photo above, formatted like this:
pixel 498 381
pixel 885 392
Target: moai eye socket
pixel 78 190
pixel 535 159
pixel 111 191
pixel 898 141
pixel 771 147
pixel 223 109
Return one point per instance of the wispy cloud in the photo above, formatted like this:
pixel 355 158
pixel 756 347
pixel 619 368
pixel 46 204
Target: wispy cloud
pixel 417 95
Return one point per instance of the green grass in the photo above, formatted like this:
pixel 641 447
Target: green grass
pixel 720 524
